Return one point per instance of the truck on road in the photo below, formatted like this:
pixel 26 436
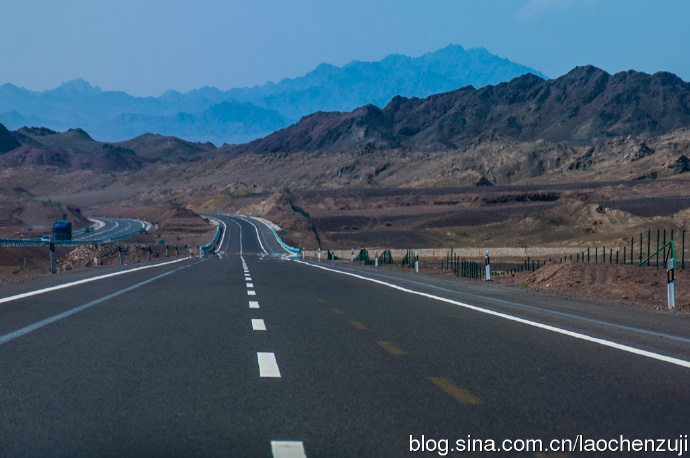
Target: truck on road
pixel 62 230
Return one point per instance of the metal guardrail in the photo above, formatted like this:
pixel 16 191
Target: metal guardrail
pixel 283 244
pixel 39 242
pixel 210 247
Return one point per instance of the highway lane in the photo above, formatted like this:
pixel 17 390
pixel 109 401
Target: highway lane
pixel 112 228
pixel 173 367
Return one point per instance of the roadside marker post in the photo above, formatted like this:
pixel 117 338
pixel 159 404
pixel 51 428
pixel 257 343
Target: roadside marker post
pixel 670 261
pixel 352 256
pixel 319 254
pixel 376 259
pixel 671 288
pixel 167 250
pixel 119 250
pixel 416 261
pixel 488 266
pixel 149 251
pixel 177 252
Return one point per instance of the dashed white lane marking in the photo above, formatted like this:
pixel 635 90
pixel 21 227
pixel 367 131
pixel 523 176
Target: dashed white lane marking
pixel 268 366
pixel 248 278
pixel 253 304
pixel 258 324
pixel 250 285
pixel 288 449
pixel 251 293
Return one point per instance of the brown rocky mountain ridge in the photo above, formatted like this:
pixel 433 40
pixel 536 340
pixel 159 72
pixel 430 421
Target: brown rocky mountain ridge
pixel 585 106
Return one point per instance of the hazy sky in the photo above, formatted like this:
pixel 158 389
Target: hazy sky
pixel 144 47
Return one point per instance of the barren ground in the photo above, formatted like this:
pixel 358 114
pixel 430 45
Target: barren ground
pixel 567 216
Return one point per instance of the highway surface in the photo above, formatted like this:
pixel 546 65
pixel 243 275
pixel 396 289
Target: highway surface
pixel 111 228
pixel 253 353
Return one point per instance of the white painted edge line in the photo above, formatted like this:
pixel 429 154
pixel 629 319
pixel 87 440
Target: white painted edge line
pixel 288 449
pixel 577 335
pixel 268 366
pixel 270 226
pixel 253 304
pixel 258 237
pixel 258 324
pixel 251 293
pixel 86 280
pixel 250 285
pixel 39 324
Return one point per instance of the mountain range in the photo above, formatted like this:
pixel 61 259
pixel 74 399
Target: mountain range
pixel 244 114
pixel 585 106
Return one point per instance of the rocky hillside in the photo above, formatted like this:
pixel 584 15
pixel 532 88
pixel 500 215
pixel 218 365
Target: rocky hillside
pixel 585 106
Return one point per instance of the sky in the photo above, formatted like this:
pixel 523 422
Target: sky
pixel 145 47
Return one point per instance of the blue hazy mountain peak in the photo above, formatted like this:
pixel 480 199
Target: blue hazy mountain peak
pixel 252 112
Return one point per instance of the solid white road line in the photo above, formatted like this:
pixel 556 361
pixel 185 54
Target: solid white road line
pixel 25 330
pixel 258 324
pixel 288 449
pixel 253 304
pixel 251 293
pixel 81 282
pixel 577 335
pixel 268 366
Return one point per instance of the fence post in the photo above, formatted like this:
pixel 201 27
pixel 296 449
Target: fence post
pixel 657 248
pixel 649 237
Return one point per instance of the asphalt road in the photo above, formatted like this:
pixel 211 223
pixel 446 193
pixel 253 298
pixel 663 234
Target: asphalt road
pixel 114 228
pixel 251 353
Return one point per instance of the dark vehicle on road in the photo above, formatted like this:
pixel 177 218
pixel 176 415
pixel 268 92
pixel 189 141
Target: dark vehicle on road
pixel 62 230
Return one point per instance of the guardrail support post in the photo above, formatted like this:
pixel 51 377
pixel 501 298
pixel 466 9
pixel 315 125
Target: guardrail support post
pixel 52 256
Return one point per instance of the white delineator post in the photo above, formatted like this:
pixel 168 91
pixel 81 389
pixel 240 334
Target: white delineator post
pixel 671 286
pixel 488 266
pixel 376 259
pixel 352 256
pixel 319 254
pixel 416 261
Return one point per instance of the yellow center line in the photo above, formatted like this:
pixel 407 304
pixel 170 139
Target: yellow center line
pixel 458 393
pixel 358 325
pixel 390 348
pixel 336 311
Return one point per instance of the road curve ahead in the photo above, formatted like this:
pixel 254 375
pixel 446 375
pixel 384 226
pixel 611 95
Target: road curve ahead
pixel 254 353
